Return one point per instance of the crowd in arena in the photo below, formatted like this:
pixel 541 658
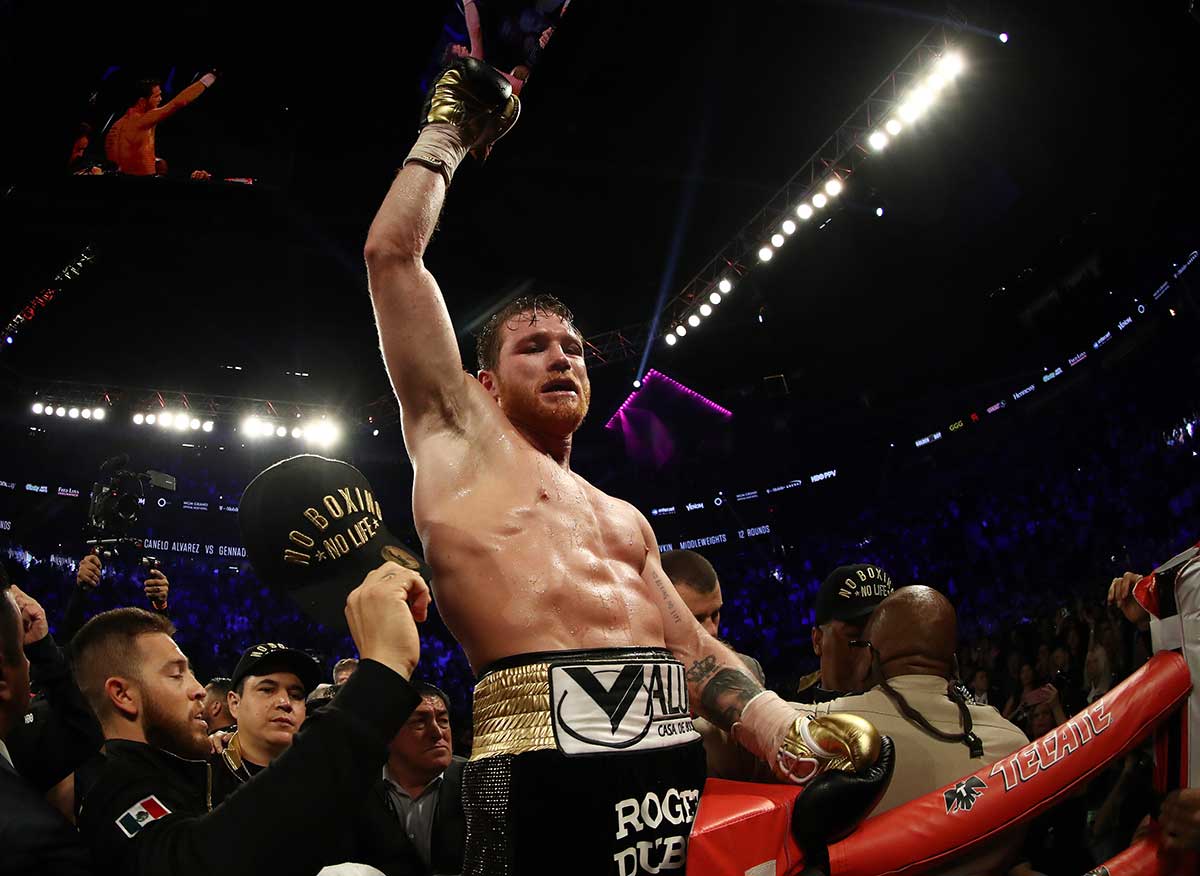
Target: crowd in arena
pixel 1026 563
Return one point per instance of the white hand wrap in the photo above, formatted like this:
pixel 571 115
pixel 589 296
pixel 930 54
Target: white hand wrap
pixel 439 147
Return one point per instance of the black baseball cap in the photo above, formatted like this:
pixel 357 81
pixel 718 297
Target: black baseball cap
pixel 852 592
pixel 273 657
pixel 313 529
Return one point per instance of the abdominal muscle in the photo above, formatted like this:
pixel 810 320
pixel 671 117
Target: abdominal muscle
pixel 532 558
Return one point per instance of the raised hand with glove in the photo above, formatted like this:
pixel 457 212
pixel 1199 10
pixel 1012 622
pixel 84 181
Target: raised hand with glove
pixel 468 109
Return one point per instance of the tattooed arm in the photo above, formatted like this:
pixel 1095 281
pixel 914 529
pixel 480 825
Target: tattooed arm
pixel 719 684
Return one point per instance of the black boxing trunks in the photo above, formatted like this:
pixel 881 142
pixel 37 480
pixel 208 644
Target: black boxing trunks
pixel 584 762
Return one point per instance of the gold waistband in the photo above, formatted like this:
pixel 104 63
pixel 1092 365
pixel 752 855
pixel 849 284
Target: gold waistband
pixel 512 711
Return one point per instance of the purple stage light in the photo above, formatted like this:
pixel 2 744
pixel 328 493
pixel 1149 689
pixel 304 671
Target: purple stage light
pixel 655 375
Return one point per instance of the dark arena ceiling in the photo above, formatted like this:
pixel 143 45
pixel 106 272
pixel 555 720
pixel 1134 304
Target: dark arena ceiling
pixel 651 132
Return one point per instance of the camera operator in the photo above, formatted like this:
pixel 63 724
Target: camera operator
pixel 149 811
pixel 87 578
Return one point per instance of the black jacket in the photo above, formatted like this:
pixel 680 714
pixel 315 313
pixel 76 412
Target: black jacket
pixel 34 838
pixel 380 832
pixel 150 812
pixel 59 732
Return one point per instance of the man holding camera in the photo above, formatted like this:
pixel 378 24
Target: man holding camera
pixel 87 578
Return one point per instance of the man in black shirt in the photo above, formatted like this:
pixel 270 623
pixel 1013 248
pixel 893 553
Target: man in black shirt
pixel 266 699
pixel 150 810
pixel 846 599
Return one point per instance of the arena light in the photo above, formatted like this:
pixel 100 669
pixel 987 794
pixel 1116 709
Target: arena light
pixel 38 407
pixel 878 141
pixel 150 419
pixel 181 422
pixel 936 82
pixel 297 432
pixel 833 187
pixel 694 321
pixel 60 411
pixel 166 419
pixel 804 211
pixel 764 254
pixel 49 410
pixel 819 200
pixel 908 112
pixel 681 330
pixel 98 413
pixel 893 127
pixel 725 286
pixel 879 212
pixel 194 424
pixel 281 431
pixel 1003 38
pixel 788 226
pixel 950 64
pixel 86 413
pixel 715 297
pixel 138 419
pixel 706 310
pixel 207 426
pixel 73 413
pixel 671 340
pixel 637 384
pixel 777 240
pixel 250 426
pixel 323 434
pixel 922 97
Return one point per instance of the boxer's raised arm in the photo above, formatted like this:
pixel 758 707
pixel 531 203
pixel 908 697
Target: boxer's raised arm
pixel 419 347
pixel 719 684
pixel 152 117
pixel 469 107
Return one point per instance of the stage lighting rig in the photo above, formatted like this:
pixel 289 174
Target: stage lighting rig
pixel 908 92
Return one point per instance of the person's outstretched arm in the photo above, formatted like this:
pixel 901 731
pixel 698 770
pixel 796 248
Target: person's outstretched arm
pixel 469 107
pixel 152 117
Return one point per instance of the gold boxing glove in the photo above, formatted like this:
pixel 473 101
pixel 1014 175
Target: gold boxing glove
pixel 798 746
pixel 817 743
pixel 468 109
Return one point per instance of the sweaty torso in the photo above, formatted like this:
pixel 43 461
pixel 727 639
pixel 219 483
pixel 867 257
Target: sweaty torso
pixel 526 555
pixel 130 146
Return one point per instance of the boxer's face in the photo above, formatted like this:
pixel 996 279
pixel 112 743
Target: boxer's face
pixel 154 101
pixel 540 380
pixel 423 743
pixel 270 708
pixel 171 700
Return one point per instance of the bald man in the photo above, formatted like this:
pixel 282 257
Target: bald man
pixel 904 661
pixel 904 666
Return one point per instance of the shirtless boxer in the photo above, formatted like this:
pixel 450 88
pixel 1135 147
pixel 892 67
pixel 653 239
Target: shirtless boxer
pixel 585 758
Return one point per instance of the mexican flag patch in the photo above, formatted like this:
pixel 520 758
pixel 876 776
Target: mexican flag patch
pixel 140 814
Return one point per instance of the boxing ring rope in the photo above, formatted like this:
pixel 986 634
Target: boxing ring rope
pixel 744 828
